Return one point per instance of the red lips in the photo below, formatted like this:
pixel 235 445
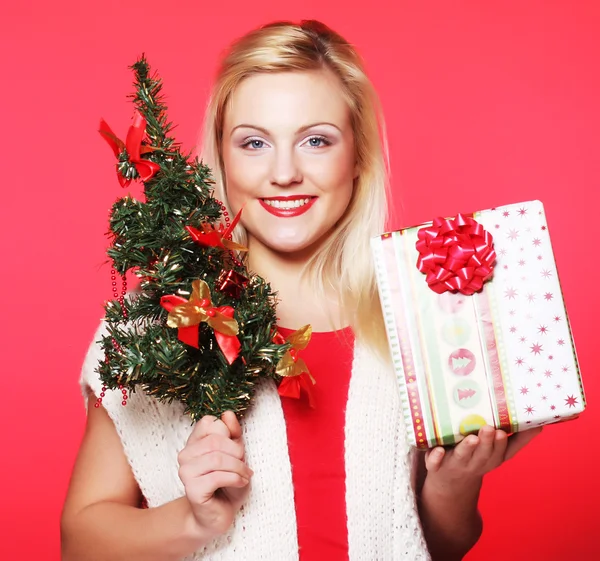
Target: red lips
pixel 288 212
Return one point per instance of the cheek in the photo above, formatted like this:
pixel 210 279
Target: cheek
pixel 335 173
pixel 243 176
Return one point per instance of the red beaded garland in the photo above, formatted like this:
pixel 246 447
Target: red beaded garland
pixel 99 400
pixel 117 296
pixel 227 223
pixel 103 394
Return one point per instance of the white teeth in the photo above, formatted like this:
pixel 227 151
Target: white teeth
pixel 287 204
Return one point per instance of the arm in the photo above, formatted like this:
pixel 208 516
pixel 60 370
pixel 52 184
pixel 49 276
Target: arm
pixel 448 489
pixel 101 518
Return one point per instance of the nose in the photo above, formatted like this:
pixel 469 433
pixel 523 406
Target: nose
pixel 285 169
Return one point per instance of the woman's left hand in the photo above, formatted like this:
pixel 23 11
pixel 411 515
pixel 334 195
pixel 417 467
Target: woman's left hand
pixel 474 456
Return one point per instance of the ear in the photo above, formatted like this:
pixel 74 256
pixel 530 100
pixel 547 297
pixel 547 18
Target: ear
pixel 356 171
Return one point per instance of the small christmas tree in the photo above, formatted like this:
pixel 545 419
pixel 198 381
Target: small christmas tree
pixel 200 329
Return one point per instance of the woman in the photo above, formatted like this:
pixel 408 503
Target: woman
pixel 292 134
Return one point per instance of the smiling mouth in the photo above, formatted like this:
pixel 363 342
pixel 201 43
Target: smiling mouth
pixel 287 207
pixel 287 204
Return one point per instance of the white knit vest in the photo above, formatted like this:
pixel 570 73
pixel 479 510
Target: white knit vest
pixel 383 522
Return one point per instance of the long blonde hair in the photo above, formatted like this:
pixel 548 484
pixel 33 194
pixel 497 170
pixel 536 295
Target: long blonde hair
pixel 344 260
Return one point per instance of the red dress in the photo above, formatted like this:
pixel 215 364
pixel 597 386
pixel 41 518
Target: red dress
pixel 316 447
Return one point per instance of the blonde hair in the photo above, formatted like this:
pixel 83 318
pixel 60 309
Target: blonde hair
pixel 344 260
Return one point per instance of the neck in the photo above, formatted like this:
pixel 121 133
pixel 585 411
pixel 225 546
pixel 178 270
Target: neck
pixel 279 269
pixel 297 302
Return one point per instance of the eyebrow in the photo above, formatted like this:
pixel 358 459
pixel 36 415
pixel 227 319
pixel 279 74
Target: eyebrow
pixel 300 130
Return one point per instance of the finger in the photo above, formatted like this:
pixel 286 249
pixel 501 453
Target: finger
pixel 224 479
pixel 485 449
pixel 211 443
pixel 500 443
pixel 209 425
pixel 201 491
pixel 464 450
pixel 434 458
pixel 211 462
pixel 519 440
pixel 232 423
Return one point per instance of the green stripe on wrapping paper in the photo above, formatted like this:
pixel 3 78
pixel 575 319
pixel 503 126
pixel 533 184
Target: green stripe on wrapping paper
pixel 486 359
pixel 412 340
pixel 429 347
pixel 436 371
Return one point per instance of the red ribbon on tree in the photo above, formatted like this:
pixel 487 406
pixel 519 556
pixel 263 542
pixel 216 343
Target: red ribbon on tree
pixel 133 145
pixel 456 255
pixel 210 236
pixel 187 315
pixel 296 377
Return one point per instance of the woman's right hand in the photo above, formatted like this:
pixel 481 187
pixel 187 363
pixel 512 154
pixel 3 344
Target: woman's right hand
pixel 213 472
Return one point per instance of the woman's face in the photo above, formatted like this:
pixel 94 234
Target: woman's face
pixel 288 155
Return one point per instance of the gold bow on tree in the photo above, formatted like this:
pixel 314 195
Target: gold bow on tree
pixel 292 368
pixel 187 315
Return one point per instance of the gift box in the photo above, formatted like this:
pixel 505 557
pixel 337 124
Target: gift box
pixel 477 325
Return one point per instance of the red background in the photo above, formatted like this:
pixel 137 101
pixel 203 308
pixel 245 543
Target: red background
pixel 487 103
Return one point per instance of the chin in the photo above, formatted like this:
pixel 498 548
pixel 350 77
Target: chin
pixel 293 244
pixel 288 247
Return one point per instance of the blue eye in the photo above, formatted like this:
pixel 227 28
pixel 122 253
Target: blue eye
pixel 254 143
pixel 318 141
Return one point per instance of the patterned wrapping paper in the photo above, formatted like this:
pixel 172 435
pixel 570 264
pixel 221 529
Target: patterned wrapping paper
pixel 503 356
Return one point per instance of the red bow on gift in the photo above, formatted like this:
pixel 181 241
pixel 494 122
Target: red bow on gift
pixel 210 236
pixel 133 146
pixel 296 376
pixel 187 315
pixel 456 255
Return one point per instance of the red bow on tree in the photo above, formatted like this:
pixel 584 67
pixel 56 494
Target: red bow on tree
pixel 216 237
pixel 187 315
pixel 296 376
pixel 133 148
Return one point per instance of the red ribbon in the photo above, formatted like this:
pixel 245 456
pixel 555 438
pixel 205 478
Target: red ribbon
pixel 229 344
pixel 279 339
pixel 210 236
pixel 456 255
pixel 134 148
pixel 293 386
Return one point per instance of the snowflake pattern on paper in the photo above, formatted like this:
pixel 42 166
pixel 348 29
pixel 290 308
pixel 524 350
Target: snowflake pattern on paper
pixel 531 316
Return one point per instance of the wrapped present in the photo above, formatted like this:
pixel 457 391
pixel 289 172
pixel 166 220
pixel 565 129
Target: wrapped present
pixel 477 325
